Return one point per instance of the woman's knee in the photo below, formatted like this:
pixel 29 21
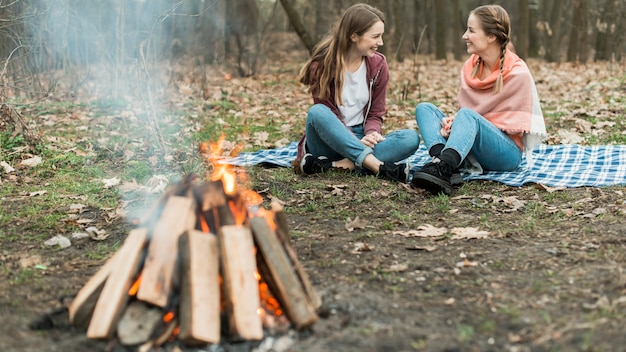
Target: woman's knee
pixel 319 111
pixel 467 113
pixel 425 108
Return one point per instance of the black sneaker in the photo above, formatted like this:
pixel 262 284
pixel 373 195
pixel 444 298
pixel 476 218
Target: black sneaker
pixel 434 177
pixel 394 172
pixel 362 172
pixel 312 165
pixel 456 179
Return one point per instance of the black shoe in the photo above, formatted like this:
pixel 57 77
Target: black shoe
pixel 456 179
pixel 434 177
pixel 362 172
pixel 312 165
pixel 394 172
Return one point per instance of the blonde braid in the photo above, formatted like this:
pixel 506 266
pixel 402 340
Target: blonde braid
pixel 498 87
pixel 477 67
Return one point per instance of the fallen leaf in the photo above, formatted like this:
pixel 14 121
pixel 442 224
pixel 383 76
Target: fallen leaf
pixel 468 233
pixel 426 230
pixel 31 162
pixel 549 189
pixel 58 240
pixel 357 223
pixel 466 263
pixel 79 235
pixel 422 248
pixel 157 184
pixel 110 182
pixel 7 168
pixel 77 208
pixel 96 234
pixel 361 247
pixel 397 268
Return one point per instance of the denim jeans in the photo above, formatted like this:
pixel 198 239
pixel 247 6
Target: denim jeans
pixel 327 136
pixel 470 132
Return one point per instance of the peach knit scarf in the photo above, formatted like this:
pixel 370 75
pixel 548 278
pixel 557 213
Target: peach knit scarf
pixel 515 109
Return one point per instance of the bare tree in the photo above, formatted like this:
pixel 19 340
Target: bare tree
pixel 523 29
pixel 399 31
pixel 458 27
pixel 298 25
pixel 441 29
pixel 578 40
pixel 606 27
pixel 553 48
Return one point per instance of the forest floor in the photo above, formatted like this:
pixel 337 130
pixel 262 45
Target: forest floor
pixel 489 268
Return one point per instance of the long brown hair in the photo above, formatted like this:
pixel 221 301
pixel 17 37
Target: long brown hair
pixel 329 52
pixel 495 21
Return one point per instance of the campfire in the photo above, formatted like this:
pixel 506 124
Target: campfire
pixel 206 263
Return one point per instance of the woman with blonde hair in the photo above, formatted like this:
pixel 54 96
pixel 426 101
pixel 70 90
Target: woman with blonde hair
pixel 499 117
pixel 348 78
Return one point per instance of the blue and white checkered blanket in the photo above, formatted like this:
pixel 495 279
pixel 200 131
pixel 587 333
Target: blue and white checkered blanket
pixel 565 165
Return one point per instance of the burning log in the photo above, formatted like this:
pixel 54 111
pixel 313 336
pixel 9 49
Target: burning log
pixel 199 307
pixel 241 289
pixel 202 255
pixel 114 295
pixel 284 280
pixel 177 217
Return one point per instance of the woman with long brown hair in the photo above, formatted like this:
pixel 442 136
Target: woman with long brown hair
pixel 348 78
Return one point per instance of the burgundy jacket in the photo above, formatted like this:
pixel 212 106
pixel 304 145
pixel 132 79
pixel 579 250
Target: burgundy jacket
pixel 378 76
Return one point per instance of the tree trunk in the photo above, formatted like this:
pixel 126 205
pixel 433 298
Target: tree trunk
pixel 553 53
pixel 399 32
pixel 523 29
pixel 533 35
pixel 458 25
pixel 577 49
pixel 298 25
pixel 441 29
pixel 323 21
pixel 606 29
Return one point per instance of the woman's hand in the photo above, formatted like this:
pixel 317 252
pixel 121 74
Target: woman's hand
pixel 372 139
pixel 446 125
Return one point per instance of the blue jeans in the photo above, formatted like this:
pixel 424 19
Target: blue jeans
pixel 470 132
pixel 327 136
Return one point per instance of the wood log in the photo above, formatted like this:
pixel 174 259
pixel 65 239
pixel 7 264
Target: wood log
pixel 280 219
pixel 182 189
pixel 199 306
pixel 81 308
pixel 241 290
pixel 138 323
pixel 114 296
pixel 283 234
pixel 282 229
pixel 177 217
pixel 209 196
pixel 287 286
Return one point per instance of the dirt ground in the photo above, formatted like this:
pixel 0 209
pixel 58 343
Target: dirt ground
pixel 490 268
pixel 543 273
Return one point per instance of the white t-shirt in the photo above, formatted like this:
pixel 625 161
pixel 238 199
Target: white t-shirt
pixel 355 96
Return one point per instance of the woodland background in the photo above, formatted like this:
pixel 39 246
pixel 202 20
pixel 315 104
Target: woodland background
pixel 42 40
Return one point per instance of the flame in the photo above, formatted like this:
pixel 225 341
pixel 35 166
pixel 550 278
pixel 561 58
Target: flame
pixel 169 316
pixel 238 214
pixel 203 224
pixel 213 152
pixel 252 198
pixel 174 334
pixel 135 286
pixel 269 304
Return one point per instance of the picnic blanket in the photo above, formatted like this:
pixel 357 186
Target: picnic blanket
pixel 563 165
